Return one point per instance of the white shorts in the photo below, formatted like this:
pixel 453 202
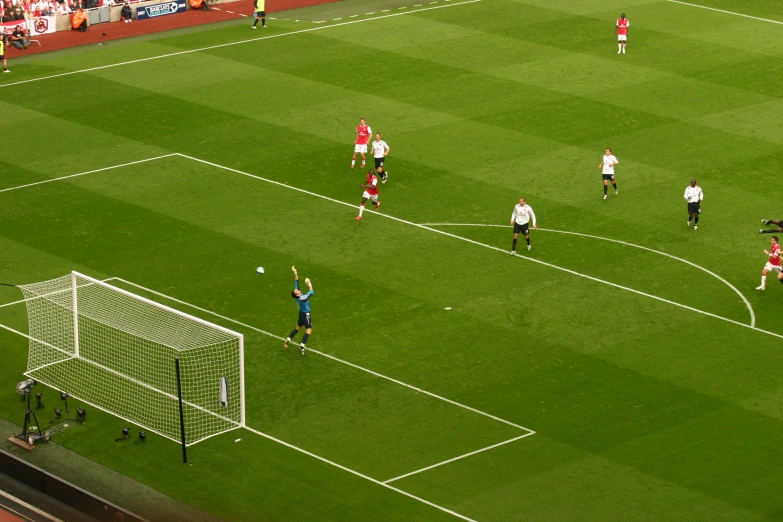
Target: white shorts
pixel 360 148
pixel 769 267
pixel 622 37
pixel 373 197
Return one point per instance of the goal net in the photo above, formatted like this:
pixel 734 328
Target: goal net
pixel 116 351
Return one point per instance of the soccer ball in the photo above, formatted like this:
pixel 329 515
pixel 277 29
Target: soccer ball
pixel 260 269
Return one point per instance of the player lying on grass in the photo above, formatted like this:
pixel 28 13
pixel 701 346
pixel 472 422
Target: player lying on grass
pixel 303 300
pixel 772 264
pixel 771 222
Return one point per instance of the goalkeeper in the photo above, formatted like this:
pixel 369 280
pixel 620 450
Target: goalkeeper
pixel 303 300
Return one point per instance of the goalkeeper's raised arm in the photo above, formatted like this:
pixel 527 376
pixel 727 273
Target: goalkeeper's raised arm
pixel 303 300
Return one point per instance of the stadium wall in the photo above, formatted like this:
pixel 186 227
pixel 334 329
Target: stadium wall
pixel 64 491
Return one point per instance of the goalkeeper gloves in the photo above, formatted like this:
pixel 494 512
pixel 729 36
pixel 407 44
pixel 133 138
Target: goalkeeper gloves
pixel 307 282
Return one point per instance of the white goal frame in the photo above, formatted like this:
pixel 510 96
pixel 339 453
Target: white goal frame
pixel 75 277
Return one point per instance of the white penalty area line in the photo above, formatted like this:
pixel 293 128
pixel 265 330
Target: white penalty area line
pixel 458 458
pixel 694 265
pixel 491 247
pixel 249 40
pixel 361 475
pixel 85 173
pixel 727 12
pixel 424 227
pixel 328 356
pixel 279 441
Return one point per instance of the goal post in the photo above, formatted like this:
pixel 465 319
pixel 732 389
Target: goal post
pixel 117 351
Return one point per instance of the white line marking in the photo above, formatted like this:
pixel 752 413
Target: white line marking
pixel 218 46
pixel 403 7
pixel 713 274
pixel 386 10
pixel 727 12
pixel 458 458
pixel 232 12
pixel 319 21
pixel 240 14
pixel 53 293
pixel 388 216
pixel 332 357
pixel 27 506
pixel 414 5
pixel 353 16
pixel 370 13
pixel 491 247
pixel 349 470
pixel 335 19
pixel 85 173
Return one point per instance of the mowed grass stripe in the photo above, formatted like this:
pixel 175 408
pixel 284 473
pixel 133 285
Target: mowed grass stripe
pixel 593 371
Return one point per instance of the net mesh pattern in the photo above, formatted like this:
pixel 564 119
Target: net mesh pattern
pixel 120 356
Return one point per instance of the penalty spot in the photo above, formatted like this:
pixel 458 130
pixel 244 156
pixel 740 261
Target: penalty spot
pixel 260 269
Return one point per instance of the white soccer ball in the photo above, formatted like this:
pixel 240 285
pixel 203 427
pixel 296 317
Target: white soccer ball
pixel 260 269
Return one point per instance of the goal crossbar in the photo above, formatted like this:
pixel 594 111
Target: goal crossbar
pixel 124 339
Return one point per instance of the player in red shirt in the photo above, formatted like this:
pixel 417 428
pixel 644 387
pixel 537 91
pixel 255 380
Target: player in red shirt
pixel 363 133
pixel 772 264
pixel 370 192
pixel 622 33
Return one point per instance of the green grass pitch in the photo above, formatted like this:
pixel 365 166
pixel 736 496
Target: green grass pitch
pixel 652 385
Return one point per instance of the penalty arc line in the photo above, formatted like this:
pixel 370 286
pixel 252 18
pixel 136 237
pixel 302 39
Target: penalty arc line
pixel 353 472
pixel 491 247
pixel 727 12
pixel 387 216
pixel 328 356
pixel 229 44
pixel 713 274
pixel 457 458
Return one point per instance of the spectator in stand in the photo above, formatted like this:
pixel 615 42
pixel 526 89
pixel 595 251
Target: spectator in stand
pixel 126 14
pixel 18 14
pixel 3 39
pixel 18 38
pixel 199 4
pixel 108 3
pixel 79 20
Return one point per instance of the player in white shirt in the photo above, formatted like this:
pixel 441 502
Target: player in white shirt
pixel 380 149
pixel 521 218
pixel 607 170
pixel 694 196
